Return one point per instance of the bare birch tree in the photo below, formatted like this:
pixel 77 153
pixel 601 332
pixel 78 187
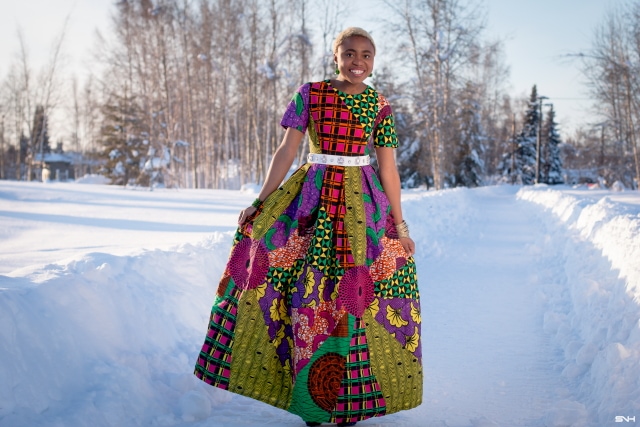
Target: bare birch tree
pixel 211 91
pixel 612 67
pixel 440 37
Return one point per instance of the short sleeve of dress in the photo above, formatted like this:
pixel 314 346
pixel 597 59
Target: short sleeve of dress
pixel 384 134
pixel 297 113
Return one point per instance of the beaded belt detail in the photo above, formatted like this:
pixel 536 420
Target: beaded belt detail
pixel 330 159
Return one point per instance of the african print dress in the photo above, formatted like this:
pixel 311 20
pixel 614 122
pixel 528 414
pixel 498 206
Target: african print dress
pixel 318 309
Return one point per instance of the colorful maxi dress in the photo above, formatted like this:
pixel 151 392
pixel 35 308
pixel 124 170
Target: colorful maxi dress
pixel 318 309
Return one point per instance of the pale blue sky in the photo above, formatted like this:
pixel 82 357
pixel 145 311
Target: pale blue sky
pixel 538 36
pixel 536 33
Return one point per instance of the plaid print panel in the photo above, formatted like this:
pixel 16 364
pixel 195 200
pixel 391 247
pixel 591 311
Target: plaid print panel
pixel 214 362
pixel 332 199
pixel 360 396
pixel 338 127
pixel 332 196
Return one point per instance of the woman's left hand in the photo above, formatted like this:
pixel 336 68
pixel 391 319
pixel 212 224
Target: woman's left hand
pixel 246 214
pixel 408 245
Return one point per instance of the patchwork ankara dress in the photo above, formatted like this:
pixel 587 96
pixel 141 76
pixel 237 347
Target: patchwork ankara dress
pixel 318 309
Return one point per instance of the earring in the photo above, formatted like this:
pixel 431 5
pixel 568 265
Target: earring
pixel 337 71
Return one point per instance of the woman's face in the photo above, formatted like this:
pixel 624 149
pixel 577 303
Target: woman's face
pixel 354 59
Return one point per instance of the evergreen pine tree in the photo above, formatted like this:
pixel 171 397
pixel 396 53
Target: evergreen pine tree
pixel 506 166
pixel 526 141
pixel 40 134
pixel 23 156
pixel 24 149
pixel 122 143
pixel 469 166
pixel 552 170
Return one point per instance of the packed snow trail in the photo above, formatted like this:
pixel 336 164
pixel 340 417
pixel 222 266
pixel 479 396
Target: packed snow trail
pixel 487 359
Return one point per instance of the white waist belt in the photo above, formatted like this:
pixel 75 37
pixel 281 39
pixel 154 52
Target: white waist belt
pixel 330 159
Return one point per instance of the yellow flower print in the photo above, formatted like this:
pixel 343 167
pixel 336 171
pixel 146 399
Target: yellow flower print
pixel 260 290
pixel 323 282
pixel 273 311
pixel 309 282
pixel 395 317
pixel 284 316
pixel 413 341
pixel 279 337
pixel 334 294
pixel 287 368
pixel 374 307
pixel 415 314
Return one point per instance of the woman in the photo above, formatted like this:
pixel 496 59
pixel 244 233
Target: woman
pixel 318 309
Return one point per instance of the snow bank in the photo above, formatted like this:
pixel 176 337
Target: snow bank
pixel 434 217
pixel 108 340
pixel 597 322
pixel 612 227
pixel 92 179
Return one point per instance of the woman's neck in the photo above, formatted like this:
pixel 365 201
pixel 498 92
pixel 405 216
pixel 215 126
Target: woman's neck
pixel 348 87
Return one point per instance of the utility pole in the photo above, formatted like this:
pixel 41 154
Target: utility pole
pixel 42 134
pixel 602 127
pixel 2 150
pixel 539 138
pixel 514 147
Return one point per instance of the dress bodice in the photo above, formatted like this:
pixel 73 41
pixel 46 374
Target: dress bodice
pixel 339 123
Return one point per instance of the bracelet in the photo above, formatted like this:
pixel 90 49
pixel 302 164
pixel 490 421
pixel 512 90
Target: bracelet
pixel 257 203
pixel 402 229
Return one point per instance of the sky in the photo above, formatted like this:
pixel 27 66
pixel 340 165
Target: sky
pixel 537 35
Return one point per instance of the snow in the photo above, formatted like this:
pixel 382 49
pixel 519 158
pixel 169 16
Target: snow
pixel 530 305
pixel 595 316
pixel 54 157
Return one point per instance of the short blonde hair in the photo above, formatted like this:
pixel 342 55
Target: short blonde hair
pixel 350 32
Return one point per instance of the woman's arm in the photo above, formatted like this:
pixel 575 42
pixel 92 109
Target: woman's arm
pixel 280 165
pixel 391 183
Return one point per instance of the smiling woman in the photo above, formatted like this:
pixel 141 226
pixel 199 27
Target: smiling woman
pixel 318 310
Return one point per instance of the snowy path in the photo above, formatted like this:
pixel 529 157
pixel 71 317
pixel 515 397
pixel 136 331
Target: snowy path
pixel 486 355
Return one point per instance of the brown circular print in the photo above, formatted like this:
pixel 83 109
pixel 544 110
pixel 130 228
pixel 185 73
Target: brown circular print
pixel 325 376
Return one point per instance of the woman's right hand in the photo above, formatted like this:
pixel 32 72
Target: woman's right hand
pixel 245 214
pixel 408 245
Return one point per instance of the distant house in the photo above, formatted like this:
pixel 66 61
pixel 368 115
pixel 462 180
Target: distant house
pixel 60 166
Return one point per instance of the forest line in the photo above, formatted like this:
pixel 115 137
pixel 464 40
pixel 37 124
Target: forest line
pixel 190 95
